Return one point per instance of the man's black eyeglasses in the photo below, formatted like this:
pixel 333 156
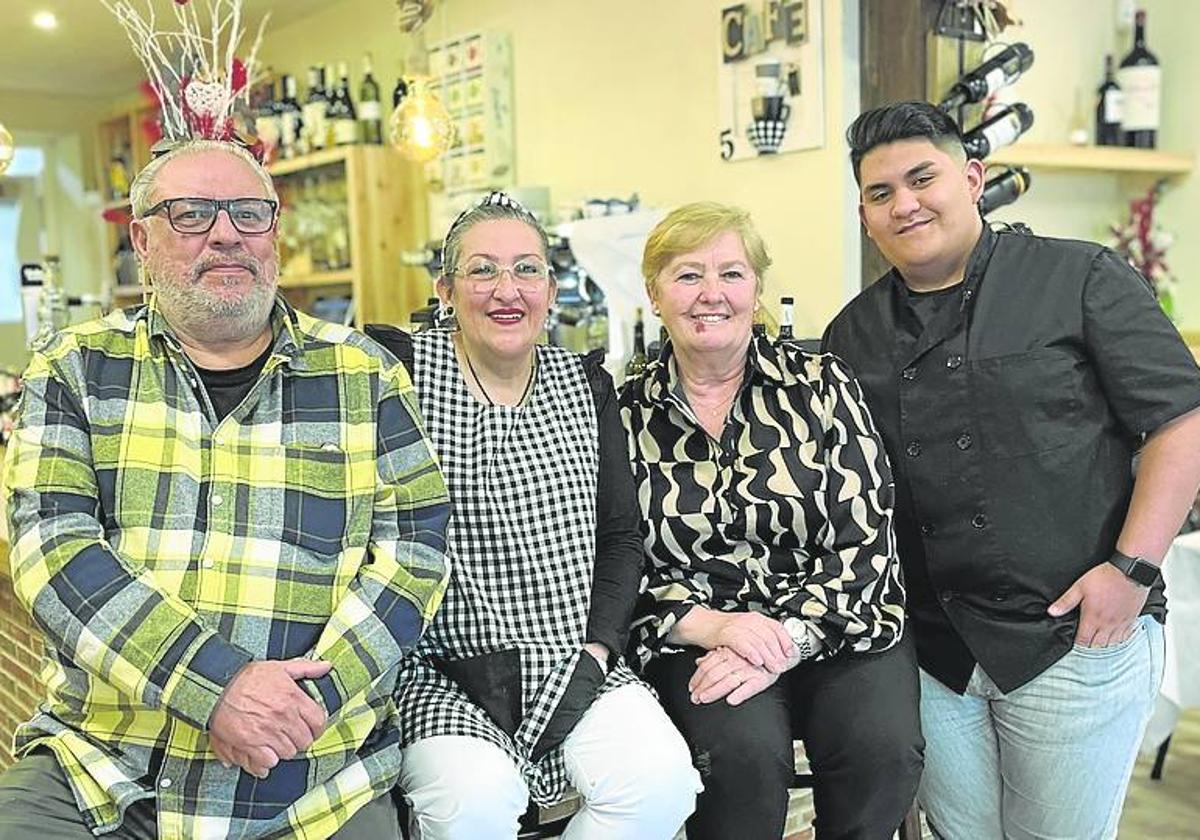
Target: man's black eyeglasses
pixel 198 215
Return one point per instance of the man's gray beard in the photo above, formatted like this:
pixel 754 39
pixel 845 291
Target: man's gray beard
pixel 191 309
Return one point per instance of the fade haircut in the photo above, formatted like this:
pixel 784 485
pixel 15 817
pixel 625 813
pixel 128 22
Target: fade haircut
pixel 912 120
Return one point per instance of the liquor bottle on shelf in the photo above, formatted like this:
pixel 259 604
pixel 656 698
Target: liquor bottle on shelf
pixel 998 131
pixel 401 89
pixel 291 120
pixel 998 71
pixel 370 112
pixel 1004 188
pixel 118 173
pixel 267 119
pixel 342 116
pixel 1140 78
pixel 316 110
pixel 637 362
pixel 1108 108
pixel 785 320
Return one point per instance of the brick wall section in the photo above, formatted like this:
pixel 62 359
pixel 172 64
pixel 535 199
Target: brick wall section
pixel 20 661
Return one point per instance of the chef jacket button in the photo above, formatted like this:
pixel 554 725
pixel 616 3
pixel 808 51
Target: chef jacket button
pixel 963 441
pixel 909 372
pixel 954 361
pixel 927 529
pixel 946 597
pixel 913 449
pixel 979 521
pixel 999 596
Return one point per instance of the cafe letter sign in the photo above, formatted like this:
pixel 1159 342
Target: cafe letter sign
pixel 771 89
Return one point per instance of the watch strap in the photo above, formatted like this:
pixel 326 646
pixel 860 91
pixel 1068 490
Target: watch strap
pixel 1136 569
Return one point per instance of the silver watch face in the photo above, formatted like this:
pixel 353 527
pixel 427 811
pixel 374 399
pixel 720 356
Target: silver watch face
pixel 796 629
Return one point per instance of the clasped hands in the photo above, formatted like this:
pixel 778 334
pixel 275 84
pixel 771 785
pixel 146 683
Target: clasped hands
pixel 264 717
pixel 749 652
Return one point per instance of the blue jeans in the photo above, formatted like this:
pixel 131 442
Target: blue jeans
pixel 1050 759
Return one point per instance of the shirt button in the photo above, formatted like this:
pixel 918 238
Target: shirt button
pixel 927 529
pixel 979 521
pixel 206 563
pixel 963 441
pixel 217 500
pixel 164 783
pixel 913 449
pixel 946 597
pixel 954 361
pixel 329 447
pixel 909 373
pixel 968 294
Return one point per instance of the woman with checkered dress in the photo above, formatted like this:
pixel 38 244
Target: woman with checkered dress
pixel 519 691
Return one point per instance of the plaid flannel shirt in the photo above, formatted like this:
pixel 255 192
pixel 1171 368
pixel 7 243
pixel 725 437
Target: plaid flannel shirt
pixel 160 551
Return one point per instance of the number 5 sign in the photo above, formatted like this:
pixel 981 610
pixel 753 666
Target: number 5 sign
pixel 771 88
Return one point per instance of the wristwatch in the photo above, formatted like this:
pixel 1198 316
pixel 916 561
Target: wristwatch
pixel 1140 571
pixel 806 643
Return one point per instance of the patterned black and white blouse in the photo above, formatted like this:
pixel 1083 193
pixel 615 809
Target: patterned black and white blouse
pixel 788 514
pixel 545 556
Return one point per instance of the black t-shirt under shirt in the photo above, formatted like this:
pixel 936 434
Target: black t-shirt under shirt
pixel 227 388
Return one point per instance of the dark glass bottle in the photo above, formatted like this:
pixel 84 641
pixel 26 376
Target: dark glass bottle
pixel 291 120
pixel 316 110
pixel 637 362
pixel 998 71
pixel 1004 188
pixel 786 305
pixel 342 116
pixel 370 112
pixel 1108 108
pixel 1000 130
pixel 1140 78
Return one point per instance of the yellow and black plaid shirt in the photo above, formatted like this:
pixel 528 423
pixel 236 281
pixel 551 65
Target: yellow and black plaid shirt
pixel 160 551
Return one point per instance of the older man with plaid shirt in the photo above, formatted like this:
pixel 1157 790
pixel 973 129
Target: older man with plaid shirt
pixel 229 524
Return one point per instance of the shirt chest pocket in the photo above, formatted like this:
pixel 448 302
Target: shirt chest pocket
pixel 1027 403
pixel 317 494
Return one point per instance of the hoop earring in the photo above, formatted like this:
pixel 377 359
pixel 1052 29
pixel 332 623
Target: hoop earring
pixel 443 318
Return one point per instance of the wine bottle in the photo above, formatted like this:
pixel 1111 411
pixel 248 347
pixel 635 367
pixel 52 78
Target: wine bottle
pixel 341 111
pixel 1004 188
pixel 267 120
pixel 998 131
pixel 998 71
pixel 1108 108
pixel 785 319
pixel 316 110
pixel 291 120
pixel 370 112
pixel 400 90
pixel 637 362
pixel 1140 78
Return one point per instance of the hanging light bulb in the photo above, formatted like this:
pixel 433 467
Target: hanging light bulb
pixel 421 128
pixel 8 149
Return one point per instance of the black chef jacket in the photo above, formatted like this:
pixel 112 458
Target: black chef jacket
pixel 1011 421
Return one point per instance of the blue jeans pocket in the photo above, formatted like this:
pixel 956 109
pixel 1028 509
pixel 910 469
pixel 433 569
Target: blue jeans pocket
pixel 1139 632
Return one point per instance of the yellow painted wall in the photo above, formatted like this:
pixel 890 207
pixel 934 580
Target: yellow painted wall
pixel 616 96
pixel 1069 39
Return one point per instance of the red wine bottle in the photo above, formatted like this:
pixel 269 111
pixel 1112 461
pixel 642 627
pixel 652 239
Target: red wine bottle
pixel 1001 130
pixel 1140 78
pixel 1108 108
pixel 1001 69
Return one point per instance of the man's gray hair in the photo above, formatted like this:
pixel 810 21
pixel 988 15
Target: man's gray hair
pixel 142 190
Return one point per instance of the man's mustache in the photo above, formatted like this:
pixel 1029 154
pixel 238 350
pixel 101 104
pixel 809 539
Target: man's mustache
pixel 241 260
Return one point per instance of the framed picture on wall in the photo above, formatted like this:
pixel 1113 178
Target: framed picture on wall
pixel 771 88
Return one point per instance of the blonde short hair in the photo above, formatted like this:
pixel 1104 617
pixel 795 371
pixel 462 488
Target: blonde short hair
pixel 688 227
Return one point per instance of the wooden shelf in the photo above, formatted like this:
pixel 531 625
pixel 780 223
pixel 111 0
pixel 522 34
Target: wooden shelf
pixel 1111 159
pixel 319 278
pixel 325 157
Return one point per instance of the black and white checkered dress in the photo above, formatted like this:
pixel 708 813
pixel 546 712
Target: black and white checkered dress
pixel 522 481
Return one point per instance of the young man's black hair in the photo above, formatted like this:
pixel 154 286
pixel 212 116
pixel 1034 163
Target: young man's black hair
pixel 902 121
